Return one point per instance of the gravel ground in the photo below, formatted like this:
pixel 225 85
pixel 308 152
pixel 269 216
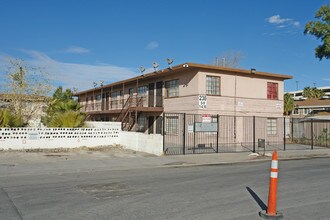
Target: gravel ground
pixel 60 154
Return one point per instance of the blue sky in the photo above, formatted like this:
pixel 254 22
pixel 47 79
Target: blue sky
pixel 81 41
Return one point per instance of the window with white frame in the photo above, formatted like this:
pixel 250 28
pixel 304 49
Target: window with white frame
pixel 271 126
pixel 307 111
pixel 172 125
pixel 172 88
pixel 212 85
pixel 295 111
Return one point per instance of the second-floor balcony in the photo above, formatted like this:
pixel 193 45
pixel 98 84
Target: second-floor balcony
pixel 111 104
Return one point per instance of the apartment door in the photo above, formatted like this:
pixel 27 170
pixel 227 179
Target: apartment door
pixel 107 101
pixel 151 95
pixel 159 94
pixel 150 124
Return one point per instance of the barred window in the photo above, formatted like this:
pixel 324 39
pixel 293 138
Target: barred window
pixel 172 88
pixel 271 126
pixel 212 85
pixel 172 125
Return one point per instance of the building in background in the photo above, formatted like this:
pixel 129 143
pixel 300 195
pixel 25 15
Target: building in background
pixel 33 107
pixel 307 107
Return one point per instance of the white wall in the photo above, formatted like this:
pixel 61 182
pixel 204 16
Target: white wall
pixel 103 124
pixel 34 138
pixel 100 135
pixel 149 143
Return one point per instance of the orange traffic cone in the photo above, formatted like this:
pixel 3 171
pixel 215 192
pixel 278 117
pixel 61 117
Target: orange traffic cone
pixel 271 212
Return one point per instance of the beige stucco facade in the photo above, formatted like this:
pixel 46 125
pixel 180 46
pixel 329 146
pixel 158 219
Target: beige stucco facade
pixel 239 95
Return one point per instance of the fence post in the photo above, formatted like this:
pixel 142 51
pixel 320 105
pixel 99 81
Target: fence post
pixel 312 135
pixel 292 130
pixel 184 134
pixel 217 133
pixel 194 134
pixel 284 141
pixel 163 131
pixel 254 134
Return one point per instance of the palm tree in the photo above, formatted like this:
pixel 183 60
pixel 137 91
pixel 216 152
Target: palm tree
pixel 313 93
pixel 64 111
pixel 288 103
pixel 317 93
pixel 307 92
pixel 68 119
pixel 7 119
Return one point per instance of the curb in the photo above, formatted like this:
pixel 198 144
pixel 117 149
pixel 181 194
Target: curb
pixel 243 162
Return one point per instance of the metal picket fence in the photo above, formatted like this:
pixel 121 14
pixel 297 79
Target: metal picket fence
pixel 205 133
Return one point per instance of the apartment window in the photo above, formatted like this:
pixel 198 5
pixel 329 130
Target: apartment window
pixel 172 124
pixel 272 90
pixel 295 111
pixel 142 123
pixel 114 95
pixel 212 85
pixel 142 90
pixel 98 97
pixel 307 111
pixel 172 88
pixel 271 126
pixel 131 92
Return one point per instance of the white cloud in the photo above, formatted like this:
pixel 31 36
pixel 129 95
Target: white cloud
pixel 282 22
pixel 73 75
pixel 296 23
pixel 152 45
pixel 75 49
pixel 276 19
pixel 326 79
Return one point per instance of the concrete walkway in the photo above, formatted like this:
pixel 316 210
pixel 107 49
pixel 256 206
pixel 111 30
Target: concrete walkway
pixel 38 163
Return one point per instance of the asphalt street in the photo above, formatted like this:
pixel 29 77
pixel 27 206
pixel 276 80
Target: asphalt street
pixel 236 191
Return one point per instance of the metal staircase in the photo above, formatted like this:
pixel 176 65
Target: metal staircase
pixel 129 113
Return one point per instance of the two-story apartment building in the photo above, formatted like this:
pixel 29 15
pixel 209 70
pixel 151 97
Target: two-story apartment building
pixel 139 102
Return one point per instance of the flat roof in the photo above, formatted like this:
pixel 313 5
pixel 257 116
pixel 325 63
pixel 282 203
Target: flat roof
pixel 195 66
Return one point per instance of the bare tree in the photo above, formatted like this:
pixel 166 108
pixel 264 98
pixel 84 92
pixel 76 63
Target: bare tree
pixel 26 89
pixel 229 59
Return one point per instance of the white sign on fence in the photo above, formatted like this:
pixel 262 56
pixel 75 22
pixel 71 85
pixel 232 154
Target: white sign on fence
pixel 206 118
pixel 190 128
pixel 206 127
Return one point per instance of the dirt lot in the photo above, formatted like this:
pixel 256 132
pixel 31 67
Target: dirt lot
pixel 60 154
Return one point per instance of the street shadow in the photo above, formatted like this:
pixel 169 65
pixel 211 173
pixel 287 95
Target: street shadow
pixel 256 198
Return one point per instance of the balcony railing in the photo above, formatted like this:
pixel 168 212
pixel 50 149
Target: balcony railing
pixel 118 103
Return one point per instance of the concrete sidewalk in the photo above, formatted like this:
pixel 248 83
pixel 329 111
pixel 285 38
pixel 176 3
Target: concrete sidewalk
pixel 38 163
